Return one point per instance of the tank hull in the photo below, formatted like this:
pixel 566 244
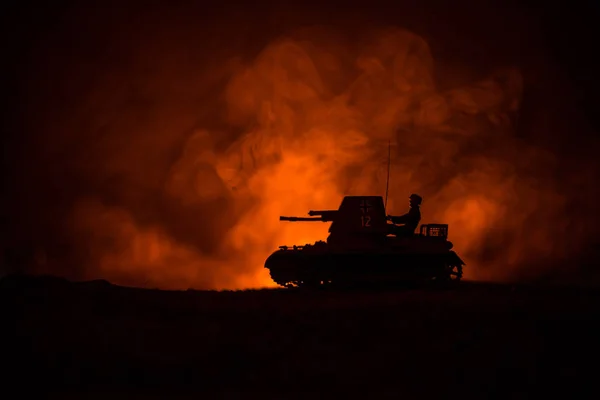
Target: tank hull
pixel 291 268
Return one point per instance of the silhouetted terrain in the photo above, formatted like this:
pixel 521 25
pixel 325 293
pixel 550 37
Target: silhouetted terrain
pixel 481 339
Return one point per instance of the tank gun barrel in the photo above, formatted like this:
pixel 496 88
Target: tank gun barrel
pixel 326 215
pixel 320 215
pixel 297 219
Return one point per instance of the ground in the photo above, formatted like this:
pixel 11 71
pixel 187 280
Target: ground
pixel 479 340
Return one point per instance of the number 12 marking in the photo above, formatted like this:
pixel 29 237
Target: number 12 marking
pixel 365 220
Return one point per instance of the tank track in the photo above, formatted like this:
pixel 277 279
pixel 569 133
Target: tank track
pixel 289 280
pixel 292 277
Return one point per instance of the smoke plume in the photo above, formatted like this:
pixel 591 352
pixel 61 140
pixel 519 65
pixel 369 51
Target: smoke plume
pixel 160 165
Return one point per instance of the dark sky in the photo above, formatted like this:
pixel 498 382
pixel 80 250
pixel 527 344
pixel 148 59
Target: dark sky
pixel 56 54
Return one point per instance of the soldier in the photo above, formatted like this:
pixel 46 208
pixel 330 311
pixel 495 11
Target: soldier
pixel 410 220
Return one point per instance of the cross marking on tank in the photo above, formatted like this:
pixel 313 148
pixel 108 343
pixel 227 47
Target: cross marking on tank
pixel 365 206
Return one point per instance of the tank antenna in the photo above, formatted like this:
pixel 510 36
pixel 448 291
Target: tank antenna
pixel 387 185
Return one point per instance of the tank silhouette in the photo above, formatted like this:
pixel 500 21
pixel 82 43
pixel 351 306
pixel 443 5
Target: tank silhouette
pixel 360 250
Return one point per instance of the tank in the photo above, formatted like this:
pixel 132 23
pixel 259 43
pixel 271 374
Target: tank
pixel 361 251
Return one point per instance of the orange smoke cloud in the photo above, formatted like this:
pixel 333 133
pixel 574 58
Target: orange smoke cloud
pixel 313 120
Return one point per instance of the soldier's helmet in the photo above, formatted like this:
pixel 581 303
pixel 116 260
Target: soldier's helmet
pixel 415 198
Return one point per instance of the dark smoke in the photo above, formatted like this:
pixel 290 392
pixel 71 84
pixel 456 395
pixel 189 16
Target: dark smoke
pixel 137 134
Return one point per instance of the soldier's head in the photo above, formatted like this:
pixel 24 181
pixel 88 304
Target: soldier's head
pixel 415 200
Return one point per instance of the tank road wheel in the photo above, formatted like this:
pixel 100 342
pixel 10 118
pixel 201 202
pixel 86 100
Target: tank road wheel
pixel 313 283
pixel 454 272
pixel 282 278
pixel 451 276
pixel 309 284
